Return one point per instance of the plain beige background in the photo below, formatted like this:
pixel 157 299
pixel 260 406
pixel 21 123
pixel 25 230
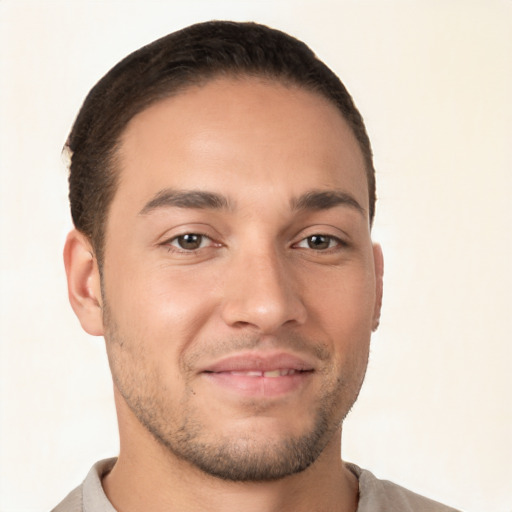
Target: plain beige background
pixel 433 79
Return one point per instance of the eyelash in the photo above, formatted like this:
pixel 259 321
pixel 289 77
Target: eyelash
pixel 334 243
pixel 171 247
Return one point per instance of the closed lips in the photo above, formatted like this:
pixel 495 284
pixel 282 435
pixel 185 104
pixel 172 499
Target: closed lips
pixel 260 365
pixel 269 373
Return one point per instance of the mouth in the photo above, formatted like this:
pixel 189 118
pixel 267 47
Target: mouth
pixel 282 372
pixel 260 375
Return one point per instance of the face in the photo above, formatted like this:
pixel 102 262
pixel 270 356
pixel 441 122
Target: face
pixel 239 281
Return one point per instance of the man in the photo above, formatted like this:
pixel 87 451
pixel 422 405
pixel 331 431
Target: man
pixel 223 191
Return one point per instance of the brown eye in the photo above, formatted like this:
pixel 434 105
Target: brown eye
pixel 189 242
pixel 319 242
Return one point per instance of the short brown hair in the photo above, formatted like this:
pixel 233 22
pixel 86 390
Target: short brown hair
pixel 167 66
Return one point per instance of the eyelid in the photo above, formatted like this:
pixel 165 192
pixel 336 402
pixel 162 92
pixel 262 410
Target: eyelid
pixel 186 228
pixel 326 229
pixel 339 242
pixel 168 244
pixel 176 237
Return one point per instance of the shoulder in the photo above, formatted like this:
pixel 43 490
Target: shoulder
pixel 382 495
pixel 89 497
pixel 71 503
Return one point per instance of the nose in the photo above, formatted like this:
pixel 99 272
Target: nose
pixel 262 293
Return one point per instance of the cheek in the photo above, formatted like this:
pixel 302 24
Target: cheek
pixel 343 299
pixel 342 314
pixel 161 305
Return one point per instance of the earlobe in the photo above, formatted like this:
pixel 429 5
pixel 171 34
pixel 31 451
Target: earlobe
pixel 378 259
pixel 84 287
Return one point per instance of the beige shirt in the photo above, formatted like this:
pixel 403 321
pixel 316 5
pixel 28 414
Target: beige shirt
pixel 374 495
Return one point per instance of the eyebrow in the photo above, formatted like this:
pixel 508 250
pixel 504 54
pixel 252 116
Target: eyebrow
pixel 326 199
pixel 203 200
pixel 194 199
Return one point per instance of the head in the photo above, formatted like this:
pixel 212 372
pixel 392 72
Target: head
pixel 168 66
pixel 223 191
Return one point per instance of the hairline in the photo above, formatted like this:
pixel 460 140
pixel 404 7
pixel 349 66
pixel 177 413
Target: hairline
pixel 202 79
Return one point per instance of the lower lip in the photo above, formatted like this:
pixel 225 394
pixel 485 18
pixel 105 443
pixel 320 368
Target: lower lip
pixel 254 386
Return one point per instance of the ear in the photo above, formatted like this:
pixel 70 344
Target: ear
pixel 84 287
pixel 378 260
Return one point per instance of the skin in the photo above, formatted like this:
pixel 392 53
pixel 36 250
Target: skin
pixel 258 284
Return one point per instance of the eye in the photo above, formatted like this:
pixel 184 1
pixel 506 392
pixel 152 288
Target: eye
pixel 319 242
pixel 190 241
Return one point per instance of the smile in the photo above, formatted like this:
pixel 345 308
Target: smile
pixel 270 373
pixel 259 375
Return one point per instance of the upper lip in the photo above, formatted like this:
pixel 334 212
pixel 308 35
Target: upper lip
pixel 259 361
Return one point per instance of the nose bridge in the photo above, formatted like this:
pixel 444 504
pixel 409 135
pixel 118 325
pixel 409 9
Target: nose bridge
pixel 261 290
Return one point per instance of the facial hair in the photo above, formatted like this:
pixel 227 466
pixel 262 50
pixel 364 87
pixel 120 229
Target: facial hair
pixel 242 458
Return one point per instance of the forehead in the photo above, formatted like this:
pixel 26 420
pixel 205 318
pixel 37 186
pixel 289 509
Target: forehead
pixel 241 135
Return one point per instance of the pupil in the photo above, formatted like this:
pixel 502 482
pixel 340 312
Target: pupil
pixel 318 242
pixel 190 241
